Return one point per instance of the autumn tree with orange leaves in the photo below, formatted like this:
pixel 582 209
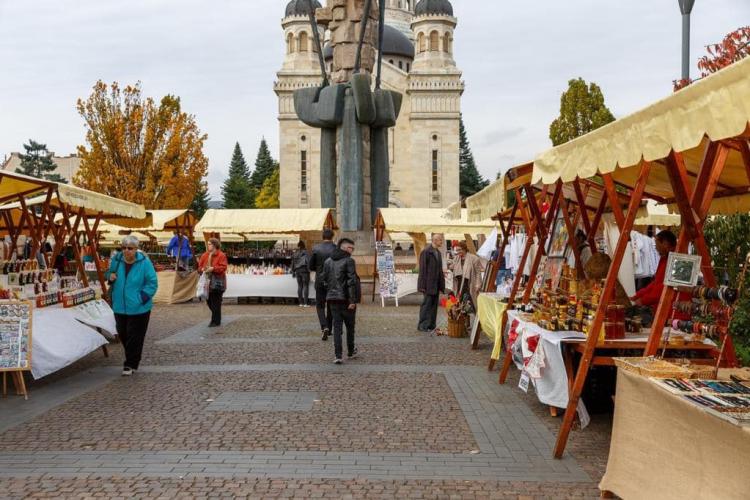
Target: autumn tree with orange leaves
pixel 140 151
pixel 734 47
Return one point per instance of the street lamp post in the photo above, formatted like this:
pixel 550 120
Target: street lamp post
pixel 686 7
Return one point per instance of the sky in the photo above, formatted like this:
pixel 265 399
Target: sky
pixel 221 57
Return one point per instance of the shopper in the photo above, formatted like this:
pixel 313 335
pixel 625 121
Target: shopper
pixel 214 262
pixel 343 294
pixel 321 253
pixel 179 249
pixel 431 283
pixel 301 271
pixel 467 272
pixel 133 284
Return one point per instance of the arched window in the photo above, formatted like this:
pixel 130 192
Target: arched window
pixel 302 43
pixel 408 67
pixel 303 180
pixel 391 61
pixel 289 43
pixel 401 65
pixel 448 43
pixel 421 42
pixel 434 41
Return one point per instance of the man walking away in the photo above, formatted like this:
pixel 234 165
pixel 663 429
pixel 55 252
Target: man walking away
pixel 431 283
pixel 321 253
pixel 344 293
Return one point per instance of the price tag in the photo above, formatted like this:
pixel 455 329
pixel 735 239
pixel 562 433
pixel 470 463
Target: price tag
pixel 523 383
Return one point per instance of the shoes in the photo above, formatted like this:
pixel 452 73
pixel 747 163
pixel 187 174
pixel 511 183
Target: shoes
pixel 326 333
pixel 353 354
pixel 126 372
pixel 337 361
pixel 214 325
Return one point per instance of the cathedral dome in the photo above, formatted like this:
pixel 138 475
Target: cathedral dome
pixel 427 7
pixel 395 43
pixel 299 8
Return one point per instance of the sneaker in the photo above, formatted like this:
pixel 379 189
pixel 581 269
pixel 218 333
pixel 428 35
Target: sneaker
pixel 326 333
pixel 354 354
pixel 126 372
pixel 337 361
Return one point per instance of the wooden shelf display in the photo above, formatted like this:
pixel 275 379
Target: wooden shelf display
pixel 15 343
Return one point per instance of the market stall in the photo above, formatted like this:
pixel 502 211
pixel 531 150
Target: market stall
pixel 68 317
pixel 264 272
pixel 418 223
pixel 690 152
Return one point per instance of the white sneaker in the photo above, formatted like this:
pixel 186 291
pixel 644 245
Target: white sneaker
pixel 337 361
pixel 126 372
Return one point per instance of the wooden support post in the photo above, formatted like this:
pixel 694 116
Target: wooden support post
pixel 570 226
pixel 614 199
pixel 547 224
pixel 607 294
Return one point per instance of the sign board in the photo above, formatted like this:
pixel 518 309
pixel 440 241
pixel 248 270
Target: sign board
pixel 15 335
pixel 386 270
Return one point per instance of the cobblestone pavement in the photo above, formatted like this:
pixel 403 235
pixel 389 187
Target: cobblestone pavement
pixel 256 409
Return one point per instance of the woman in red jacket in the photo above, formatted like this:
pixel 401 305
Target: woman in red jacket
pixel 214 262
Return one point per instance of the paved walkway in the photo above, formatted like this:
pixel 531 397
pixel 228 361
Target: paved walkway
pixel 257 409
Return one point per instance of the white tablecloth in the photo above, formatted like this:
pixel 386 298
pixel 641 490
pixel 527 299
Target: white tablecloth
pixel 247 285
pixel 59 339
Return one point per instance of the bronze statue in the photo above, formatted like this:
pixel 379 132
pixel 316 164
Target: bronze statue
pixel 353 118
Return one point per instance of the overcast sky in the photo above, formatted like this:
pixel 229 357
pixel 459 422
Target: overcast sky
pixel 221 56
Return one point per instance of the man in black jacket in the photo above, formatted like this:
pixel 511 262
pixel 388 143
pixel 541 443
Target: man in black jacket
pixel 344 293
pixel 321 253
pixel 431 283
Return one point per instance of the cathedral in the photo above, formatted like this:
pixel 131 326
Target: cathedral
pixel 417 62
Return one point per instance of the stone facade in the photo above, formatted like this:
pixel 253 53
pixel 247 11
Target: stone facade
pixel 67 166
pixel 424 145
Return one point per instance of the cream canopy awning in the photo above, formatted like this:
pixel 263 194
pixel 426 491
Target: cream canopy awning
pixel 13 185
pixel 430 220
pixel 159 220
pixel 265 221
pixel 92 203
pixel 715 108
pixel 654 214
pixel 487 202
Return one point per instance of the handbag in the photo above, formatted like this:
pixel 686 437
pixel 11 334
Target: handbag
pixel 216 283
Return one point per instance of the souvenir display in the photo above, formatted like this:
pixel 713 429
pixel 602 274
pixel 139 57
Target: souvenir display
pixel 726 399
pixel 15 335
pixel 259 270
pixel 75 297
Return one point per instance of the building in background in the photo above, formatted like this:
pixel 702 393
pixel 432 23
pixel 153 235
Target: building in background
pixel 417 62
pixel 67 166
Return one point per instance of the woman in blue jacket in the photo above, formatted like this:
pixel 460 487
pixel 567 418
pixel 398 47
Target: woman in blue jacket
pixel 133 284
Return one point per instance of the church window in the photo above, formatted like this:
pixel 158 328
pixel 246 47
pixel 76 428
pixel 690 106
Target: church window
pixel 421 42
pixel 289 43
pixel 391 61
pixel 447 43
pixel 435 171
pixel 303 42
pixel 303 171
pixel 434 41
pixel 401 65
pixel 408 67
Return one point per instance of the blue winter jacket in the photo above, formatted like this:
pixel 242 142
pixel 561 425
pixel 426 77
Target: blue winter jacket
pixel 133 294
pixel 183 250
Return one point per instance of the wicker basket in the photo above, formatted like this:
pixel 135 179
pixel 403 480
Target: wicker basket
pixel 457 327
pixel 651 367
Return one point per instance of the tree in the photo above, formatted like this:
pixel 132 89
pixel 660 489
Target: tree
pixel 237 190
pixel 140 151
pixel 269 193
pixel 37 162
pixel 734 47
pixel 470 180
pixel 199 205
pixel 582 110
pixel 264 166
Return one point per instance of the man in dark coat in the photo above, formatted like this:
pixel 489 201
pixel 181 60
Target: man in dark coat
pixel 321 253
pixel 344 293
pixel 431 283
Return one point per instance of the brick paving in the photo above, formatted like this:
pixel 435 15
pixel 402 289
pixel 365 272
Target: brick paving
pixel 258 410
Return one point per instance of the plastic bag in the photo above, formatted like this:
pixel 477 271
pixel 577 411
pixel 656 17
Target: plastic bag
pixel 201 290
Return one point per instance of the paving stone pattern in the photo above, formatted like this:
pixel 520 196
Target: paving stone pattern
pixel 416 417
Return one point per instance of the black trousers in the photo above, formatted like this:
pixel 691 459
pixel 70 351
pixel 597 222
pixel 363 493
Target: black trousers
pixel 323 308
pixel 428 313
pixel 215 298
pixel 303 288
pixel 342 315
pixel 132 331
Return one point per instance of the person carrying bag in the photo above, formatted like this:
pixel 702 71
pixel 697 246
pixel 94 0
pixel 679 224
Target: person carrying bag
pixel 214 264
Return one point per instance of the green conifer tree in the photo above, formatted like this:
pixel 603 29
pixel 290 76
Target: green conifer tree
pixel 37 162
pixel 470 180
pixel 264 166
pixel 199 205
pixel 238 191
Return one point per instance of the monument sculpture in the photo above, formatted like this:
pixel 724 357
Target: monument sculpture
pixel 353 116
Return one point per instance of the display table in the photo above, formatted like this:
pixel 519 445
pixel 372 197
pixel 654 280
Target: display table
pixel 175 287
pixel 664 447
pixel 62 336
pixel 248 285
pixel 490 309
